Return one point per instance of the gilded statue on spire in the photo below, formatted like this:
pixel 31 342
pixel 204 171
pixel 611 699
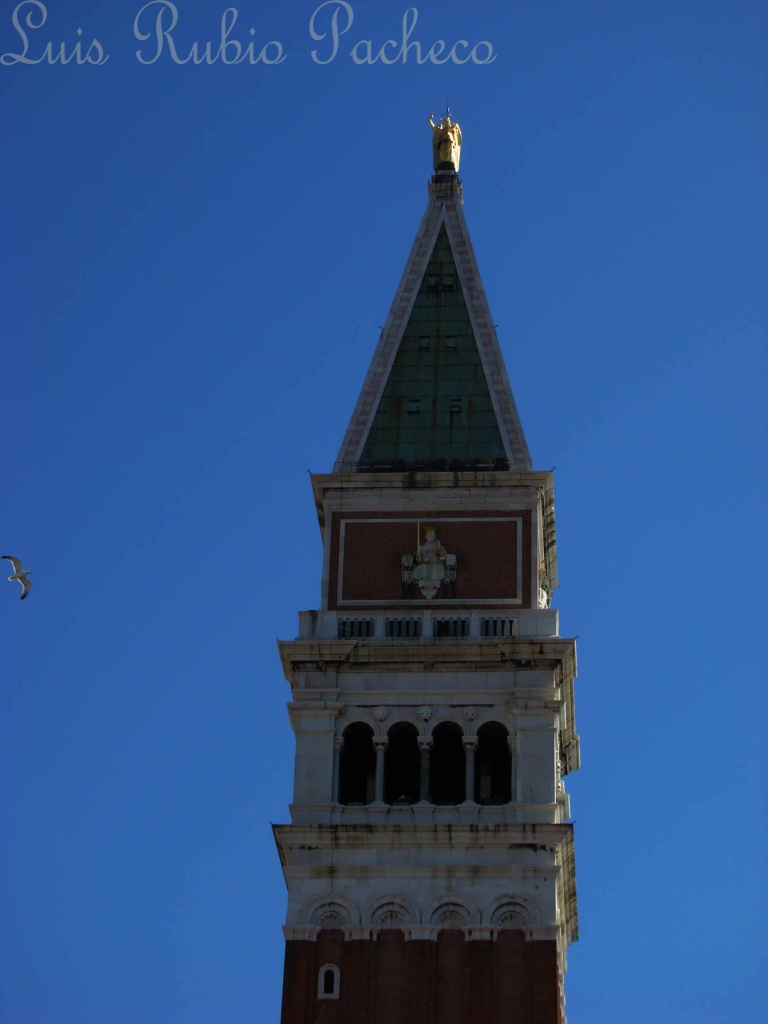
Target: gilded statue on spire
pixel 446 144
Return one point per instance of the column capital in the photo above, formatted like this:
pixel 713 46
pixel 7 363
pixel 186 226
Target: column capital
pixel 470 742
pixel 425 742
pixel 380 742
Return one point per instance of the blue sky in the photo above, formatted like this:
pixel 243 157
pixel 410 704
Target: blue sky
pixel 197 261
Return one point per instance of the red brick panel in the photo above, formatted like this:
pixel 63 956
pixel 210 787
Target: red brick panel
pixel 450 981
pixel 367 551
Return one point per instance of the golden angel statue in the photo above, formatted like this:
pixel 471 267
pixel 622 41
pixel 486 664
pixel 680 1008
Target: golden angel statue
pixel 446 144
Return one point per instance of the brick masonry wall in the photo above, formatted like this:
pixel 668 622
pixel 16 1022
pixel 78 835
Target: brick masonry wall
pixel 448 981
pixel 485 545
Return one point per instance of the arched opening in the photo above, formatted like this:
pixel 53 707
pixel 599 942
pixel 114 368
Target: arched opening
pixel 328 978
pixel 447 765
pixel 401 765
pixel 357 765
pixel 493 765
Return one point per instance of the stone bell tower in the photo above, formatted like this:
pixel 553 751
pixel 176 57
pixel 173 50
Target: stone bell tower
pixel 429 860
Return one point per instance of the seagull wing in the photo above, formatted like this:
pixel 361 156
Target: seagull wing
pixel 15 562
pixel 25 587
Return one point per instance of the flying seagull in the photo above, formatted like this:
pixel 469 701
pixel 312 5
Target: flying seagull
pixel 19 574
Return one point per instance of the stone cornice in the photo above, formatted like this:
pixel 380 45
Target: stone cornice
pixel 304 851
pixel 483 486
pixel 552 837
pixel 437 655
pixel 418 933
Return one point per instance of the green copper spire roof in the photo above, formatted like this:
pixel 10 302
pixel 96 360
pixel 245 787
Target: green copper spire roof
pixel 437 395
pixel 436 408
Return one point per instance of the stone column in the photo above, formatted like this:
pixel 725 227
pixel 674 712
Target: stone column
pixel 425 745
pixel 379 745
pixel 513 768
pixel 470 745
pixel 338 746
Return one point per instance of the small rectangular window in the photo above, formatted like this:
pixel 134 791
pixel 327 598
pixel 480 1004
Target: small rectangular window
pixel 424 340
pixel 451 342
pixel 456 405
pixel 448 280
pixel 414 405
pixel 432 281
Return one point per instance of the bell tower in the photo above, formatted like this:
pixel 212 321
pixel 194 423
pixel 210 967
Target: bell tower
pixel 429 859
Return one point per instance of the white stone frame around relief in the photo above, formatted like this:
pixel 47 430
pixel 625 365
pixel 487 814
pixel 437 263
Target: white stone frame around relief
pixel 513 602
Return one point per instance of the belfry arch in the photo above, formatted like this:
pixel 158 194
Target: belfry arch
pixel 447 769
pixel 357 765
pixel 402 765
pixel 493 764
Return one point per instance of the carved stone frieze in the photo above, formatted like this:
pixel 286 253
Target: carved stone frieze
pixel 454 910
pixel 430 567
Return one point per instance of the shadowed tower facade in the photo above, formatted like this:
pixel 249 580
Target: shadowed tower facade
pixel 429 859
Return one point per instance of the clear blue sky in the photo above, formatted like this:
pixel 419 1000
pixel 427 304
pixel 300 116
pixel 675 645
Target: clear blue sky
pixel 197 260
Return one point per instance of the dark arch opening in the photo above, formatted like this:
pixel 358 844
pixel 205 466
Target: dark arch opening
pixel 401 765
pixel 357 765
pixel 329 982
pixel 493 765
pixel 447 765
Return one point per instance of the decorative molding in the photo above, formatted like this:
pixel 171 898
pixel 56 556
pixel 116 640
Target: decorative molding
pixel 546 837
pixel 332 911
pixel 453 911
pixel 394 911
pixel 360 932
pixel 480 932
pixel 544 932
pixel 511 910
pixel 300 933
pixel 498 655
pixel 421 933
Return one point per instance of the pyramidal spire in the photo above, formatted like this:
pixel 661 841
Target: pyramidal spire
pixel 437 395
